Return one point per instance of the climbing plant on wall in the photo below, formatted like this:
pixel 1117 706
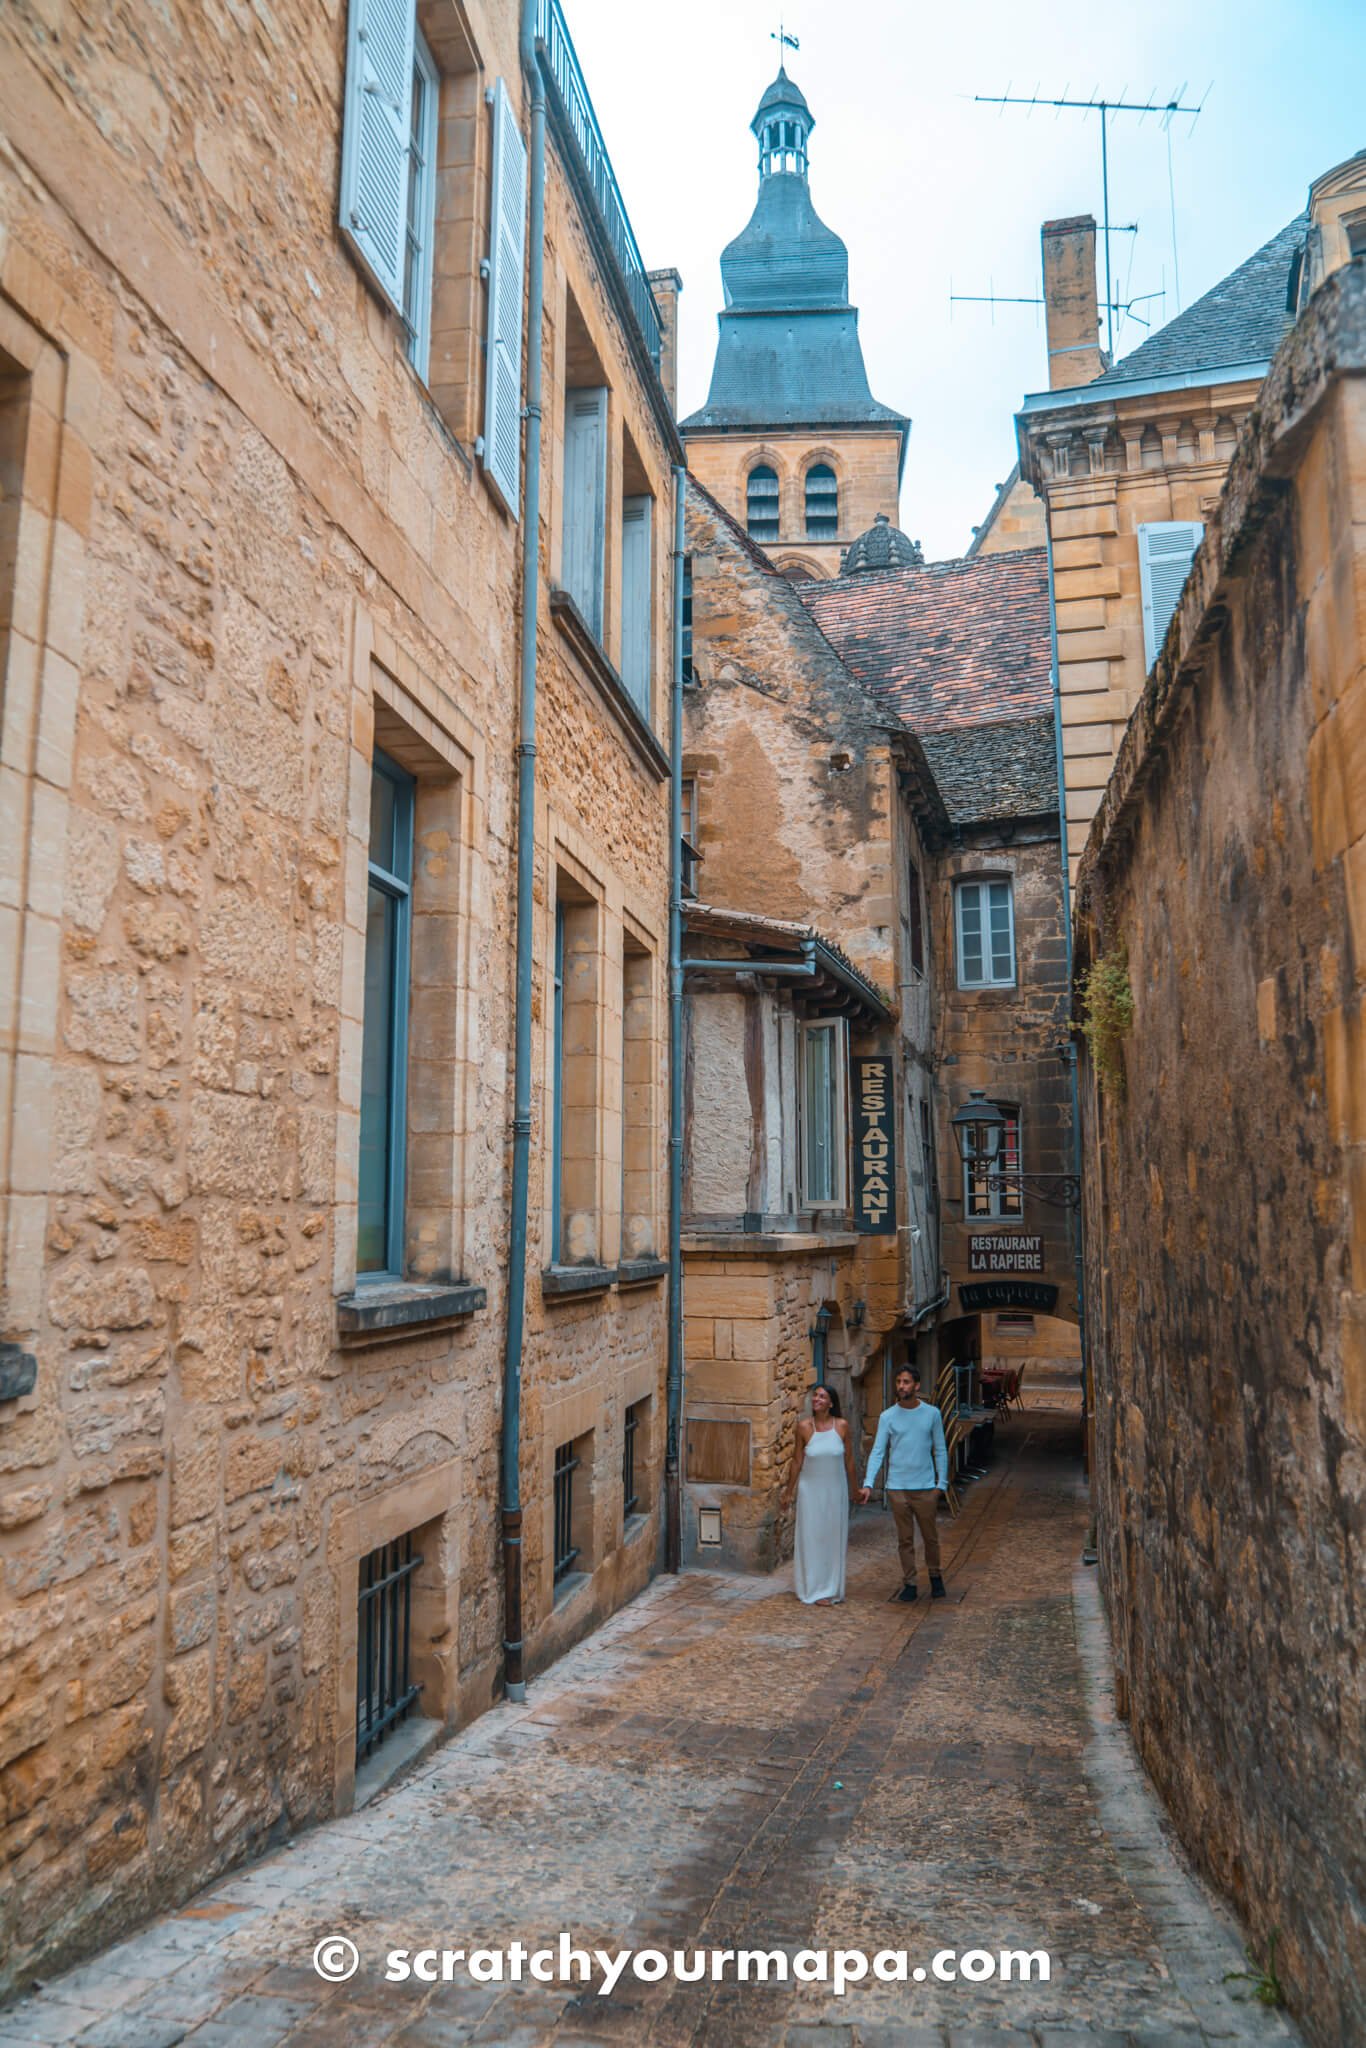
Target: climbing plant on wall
pixel 1108 1015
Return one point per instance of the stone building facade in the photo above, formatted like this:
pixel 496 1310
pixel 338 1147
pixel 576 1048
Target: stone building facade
pixel 791 440
pixel 1226 1191
pixel 813 813
pixel 959 652
pixel 1129 458
pixel 260 626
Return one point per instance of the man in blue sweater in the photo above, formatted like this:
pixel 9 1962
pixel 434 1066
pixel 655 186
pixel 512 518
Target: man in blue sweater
pixel 911 1439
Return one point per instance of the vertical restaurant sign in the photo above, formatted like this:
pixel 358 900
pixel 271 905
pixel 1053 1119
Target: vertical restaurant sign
pixel 874 1145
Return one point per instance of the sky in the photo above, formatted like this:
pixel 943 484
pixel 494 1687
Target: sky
pixel 936 195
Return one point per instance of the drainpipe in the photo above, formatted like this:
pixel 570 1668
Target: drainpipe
pixel 514 1683
pixel 673 1476
pixel 1070 1052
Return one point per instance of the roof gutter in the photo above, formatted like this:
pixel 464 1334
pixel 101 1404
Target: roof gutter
pixel 816 959
pixel 1106 388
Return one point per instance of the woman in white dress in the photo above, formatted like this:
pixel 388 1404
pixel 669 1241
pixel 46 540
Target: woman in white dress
pixel 823 1480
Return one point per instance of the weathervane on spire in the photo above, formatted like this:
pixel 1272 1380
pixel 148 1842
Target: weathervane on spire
pixel 784 42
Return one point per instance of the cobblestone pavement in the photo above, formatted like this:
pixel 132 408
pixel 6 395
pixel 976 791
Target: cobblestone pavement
pixel 721 1767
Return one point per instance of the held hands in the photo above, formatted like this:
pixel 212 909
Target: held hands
pixel 864 1495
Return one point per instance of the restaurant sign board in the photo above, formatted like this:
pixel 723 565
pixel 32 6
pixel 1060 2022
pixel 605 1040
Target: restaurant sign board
pixel 1001 1251
pixel 874 1145
pixel 1028 1294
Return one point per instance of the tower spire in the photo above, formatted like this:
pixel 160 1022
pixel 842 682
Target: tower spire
pixel 782 123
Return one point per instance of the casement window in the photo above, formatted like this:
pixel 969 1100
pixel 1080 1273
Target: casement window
pixel 761 503
pixel 583 544
pixel 638 1069
pixel 822 502
pixel 420 226
pixel 384 1045
pixel 822 1115
pixel 502 438
pixel 691 855
pixel 984 916
pixel 387 211
pixel 576 1028
pixel 985 1199
pixel 928 1155
pixel 689 672
pixel 916 915
pixel 637 594
pixel 1165 549
pixel 388 184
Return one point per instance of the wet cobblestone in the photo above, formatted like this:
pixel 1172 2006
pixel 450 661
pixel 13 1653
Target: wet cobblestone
pixel 721 1767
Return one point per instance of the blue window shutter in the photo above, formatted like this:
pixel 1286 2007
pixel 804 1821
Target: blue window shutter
pixel 375 127
pixel 502 453
pixel 585 499
pixel 636 609
pixel 1165 549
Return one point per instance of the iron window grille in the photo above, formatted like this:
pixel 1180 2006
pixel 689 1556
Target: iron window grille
pixel 385 1691
pixel 566 1465
pixel 630 1498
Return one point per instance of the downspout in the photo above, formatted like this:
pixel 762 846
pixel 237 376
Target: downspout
pixel 673 1476
pixel 1077 1225
pixel 514 1683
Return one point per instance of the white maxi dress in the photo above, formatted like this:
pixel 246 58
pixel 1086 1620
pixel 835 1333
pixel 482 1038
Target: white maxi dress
pixel 822 1519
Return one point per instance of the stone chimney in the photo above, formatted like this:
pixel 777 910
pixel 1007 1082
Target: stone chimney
pixel 666 285
pixel 1069 297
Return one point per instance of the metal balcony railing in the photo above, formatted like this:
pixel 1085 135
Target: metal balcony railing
pixel 562 67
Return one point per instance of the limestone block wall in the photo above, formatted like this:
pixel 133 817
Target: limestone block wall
pixel 866 465
pixel 748 1354
pixel 1226 1257
pixel 241 546
pixel 1004 1041
pixel 1104 466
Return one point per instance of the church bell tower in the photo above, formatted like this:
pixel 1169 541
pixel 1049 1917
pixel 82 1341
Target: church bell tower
pixel 791 440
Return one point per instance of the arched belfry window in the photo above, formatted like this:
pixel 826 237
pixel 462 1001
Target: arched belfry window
pixel 822 502
pixel 761 503
pixel 782 147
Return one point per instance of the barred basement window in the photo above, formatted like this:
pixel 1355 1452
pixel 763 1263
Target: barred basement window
pixel 630 1497
pixel 385 1691
pixel 761 503
pixel 822 502
pixel 566 1465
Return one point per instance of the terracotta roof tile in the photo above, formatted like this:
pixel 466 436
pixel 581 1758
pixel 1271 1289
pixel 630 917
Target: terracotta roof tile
pixel 954 644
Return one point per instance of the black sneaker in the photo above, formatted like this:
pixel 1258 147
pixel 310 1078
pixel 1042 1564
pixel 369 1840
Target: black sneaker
pixel 906 1595
pixel 937 1587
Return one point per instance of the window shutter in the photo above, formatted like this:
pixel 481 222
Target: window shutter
pixel 635 599
pixel 375 127
pixel 502 451
pixel 585 500
pixel 1165 549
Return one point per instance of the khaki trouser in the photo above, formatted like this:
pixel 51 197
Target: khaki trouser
pixel 907 1510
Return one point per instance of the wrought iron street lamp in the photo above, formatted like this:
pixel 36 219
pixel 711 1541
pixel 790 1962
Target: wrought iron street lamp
pixel 978 1127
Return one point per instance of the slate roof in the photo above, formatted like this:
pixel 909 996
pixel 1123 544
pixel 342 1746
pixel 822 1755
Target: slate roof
pixel 1243 320
pixel 1007 769
pixel 782 93
pixel 953 644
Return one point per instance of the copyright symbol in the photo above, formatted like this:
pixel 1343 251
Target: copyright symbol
pixel 336 1958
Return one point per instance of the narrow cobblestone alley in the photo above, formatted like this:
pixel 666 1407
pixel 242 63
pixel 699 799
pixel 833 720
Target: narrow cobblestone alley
pixel 719 1766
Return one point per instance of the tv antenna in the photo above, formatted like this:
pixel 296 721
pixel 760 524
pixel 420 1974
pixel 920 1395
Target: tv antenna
pixel 1168 109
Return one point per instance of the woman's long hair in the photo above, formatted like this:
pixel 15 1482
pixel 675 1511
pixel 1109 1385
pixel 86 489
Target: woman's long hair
pixel 834 1402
